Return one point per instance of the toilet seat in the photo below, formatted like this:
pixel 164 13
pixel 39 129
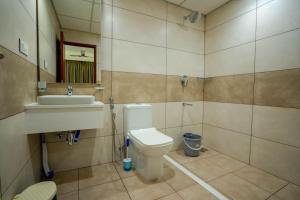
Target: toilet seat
pixel 150 137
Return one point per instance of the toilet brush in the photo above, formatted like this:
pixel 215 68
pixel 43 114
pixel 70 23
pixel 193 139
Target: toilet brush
pixel 127 162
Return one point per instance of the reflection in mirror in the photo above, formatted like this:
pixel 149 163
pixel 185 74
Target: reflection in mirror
pixel 69 39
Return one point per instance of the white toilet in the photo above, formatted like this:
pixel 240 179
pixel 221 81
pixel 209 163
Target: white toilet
pixel 147 145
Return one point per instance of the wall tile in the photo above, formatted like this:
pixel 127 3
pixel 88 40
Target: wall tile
pixel 277 124
pixel 278 52
pixel 176 14
pixel 196 129
pixel 278 88
pixel 139 58
pixel 237 60
pixel 106 54
pixel 17 83
pixel 277 17
pixel 192 114
pixel 15 25
pixel 184 38
pixel 193 91
pixel 13 139
pixel 262 2
pixel 278 159
pixel 137 88
pixel 159 115
pixel 230 89
pixel 236 117
pixel 228 142
pixel 229 11
pixel 183 63
pixel 138 28
pixel 91 151
pixel 176 134
pixel 155 8
pixel 106 21
pixel 174 114
pixel 238 31
pixel 291 191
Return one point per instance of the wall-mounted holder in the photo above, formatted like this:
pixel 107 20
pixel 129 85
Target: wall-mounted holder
pixel 42 86
pixel 184 80
pixel 99 87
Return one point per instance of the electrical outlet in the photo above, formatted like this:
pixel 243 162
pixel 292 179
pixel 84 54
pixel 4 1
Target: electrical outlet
pixel 23 47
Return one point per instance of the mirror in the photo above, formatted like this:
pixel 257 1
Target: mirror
pixel 69 41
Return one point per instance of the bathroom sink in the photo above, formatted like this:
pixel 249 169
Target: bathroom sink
pixel 65 99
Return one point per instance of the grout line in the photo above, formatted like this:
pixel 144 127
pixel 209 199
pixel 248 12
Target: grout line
pixel 121 179
pixel 205 185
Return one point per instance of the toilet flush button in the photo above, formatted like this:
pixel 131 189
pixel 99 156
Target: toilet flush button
pixel 23 47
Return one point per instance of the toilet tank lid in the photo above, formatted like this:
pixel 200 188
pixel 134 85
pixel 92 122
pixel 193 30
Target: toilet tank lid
pixel 151 137
pixel 137 106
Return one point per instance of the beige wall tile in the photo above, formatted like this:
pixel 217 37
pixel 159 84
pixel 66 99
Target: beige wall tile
pixel 278 52
pixel 139 58
pixel 138 28
pixel 277 17
pixel 155 8
pixel 262 2
pixel 175 91
pixel 237 60
pixel 66 181
pixel 17 83
pixel 185 38
pixel 196 129
pixel 278 159
pixel 91 151
pixel 228 142
pixel 236 117
pixel 238 31
pixel 229 11
pixel 176 14
pixel 137 88
pixel 184 63
pixel 277 124
pixel 230 89
pixel 159 115
pixel 278 88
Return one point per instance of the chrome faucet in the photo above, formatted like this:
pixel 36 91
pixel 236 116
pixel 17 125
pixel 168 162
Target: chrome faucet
pixel 70 90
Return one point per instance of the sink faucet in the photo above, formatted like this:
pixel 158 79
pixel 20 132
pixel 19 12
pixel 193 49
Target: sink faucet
pixel 70 90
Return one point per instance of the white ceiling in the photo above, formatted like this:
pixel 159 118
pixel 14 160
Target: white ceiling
pixel 81 15
pixel 203 6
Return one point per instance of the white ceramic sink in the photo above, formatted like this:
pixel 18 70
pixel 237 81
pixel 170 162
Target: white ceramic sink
pixel 65 99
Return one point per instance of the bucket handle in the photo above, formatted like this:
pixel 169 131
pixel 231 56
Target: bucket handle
pixel 195 149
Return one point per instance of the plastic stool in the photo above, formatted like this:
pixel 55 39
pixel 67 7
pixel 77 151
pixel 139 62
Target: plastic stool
pixel 40 191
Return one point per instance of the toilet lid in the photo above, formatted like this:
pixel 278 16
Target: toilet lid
pixel 151 137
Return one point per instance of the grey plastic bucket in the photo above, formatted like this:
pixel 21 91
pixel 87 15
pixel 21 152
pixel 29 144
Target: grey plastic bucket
pixel 192 144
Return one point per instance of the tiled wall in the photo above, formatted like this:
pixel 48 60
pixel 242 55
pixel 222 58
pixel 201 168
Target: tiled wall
pixel 252 85
pixel 19 153
pixel 145 48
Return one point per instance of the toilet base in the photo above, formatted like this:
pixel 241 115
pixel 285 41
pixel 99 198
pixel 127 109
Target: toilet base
pixel 149 168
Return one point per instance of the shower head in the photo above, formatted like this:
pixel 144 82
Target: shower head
pixel 192 17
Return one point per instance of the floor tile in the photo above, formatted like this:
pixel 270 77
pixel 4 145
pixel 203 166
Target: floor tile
pixel 107 191
pixel 171 197
pixel 290 192
pixel 95 175
pixel 66 181
pixel 237 188
pixel 123 173
pixel 68 196
pixel 226 162
pixel 261 179
pixel 176 179
pixel 196 192
pixel 205 169
pixel 180 157
pixel 146 190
